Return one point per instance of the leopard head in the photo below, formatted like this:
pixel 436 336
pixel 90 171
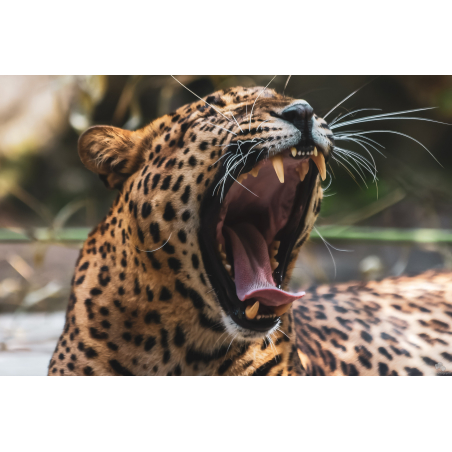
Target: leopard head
pixel 220 195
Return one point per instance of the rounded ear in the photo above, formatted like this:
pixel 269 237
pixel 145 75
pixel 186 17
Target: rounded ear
pixel 110 152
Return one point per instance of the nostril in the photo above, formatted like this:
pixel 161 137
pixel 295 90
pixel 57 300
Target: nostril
pixel 298 114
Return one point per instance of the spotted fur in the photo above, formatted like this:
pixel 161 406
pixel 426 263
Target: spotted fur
pixel 142 302
pixel 399 326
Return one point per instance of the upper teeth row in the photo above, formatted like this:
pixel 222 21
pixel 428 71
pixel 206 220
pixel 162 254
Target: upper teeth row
pixel 293 150
pixel 302 169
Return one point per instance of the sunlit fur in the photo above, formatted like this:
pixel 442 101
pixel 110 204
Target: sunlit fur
pixel 141 300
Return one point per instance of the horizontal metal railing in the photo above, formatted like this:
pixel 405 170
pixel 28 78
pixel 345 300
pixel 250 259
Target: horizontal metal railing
pixel 347 233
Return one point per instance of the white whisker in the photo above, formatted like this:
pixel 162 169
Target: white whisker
pixel 358 170
pixel 251 115
pixel 348 97
pixel 363 120
pixel 342 135
pixel 231 343
pixel 281 331
pixel 361 158
pixel 285 86
pixel 341 102
pixel 237 122
pixel 360 140
pixel 392 115
pixel 345 167
pixel 351 113
pixel 262 123
pixel 327 247
pixel 160 247
pixel 402 134
pixel 272 344
pixel 224 155
pixel 219 112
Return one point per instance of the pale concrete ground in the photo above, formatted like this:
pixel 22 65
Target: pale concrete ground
pixel 27 342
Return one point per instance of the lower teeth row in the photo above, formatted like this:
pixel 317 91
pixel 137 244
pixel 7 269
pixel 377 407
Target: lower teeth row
pixel 224 260
pixel 274 248
pixel 266 316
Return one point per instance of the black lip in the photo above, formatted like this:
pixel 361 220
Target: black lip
pixel 223 284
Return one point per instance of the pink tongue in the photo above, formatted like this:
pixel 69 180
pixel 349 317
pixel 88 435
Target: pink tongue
pixel 252 269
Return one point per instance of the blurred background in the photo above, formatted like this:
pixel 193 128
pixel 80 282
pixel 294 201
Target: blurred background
pixel 48 201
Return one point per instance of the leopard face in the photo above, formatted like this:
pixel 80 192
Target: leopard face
pixel 227 189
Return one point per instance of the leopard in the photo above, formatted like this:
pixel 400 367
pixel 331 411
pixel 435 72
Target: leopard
pixel 189 271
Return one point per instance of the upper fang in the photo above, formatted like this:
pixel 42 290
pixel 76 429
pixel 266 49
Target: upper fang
pixel 278 165
pixel 319 161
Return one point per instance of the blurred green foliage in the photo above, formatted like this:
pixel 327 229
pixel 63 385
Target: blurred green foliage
pixel 44 184
pixel 41 174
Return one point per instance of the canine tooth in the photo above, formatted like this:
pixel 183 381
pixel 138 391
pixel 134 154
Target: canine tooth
pixel 293 151
pixel 303 169
pixel 255 171
pixel 278 165
pixel 315 152
pixel 242 177
pixel 251 311
pixel 319 161
pixel 280 310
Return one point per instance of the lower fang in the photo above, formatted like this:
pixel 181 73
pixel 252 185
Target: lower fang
pixel 242 177
pixel 302 170
pixel 251 311
pixel 255 171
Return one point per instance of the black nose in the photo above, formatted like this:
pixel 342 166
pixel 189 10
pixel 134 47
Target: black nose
pixel 299 115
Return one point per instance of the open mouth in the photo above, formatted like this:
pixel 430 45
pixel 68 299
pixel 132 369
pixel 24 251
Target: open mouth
pixel 247 238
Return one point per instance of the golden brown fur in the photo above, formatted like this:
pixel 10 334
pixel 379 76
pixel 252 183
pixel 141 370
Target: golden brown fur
pixel 142 302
